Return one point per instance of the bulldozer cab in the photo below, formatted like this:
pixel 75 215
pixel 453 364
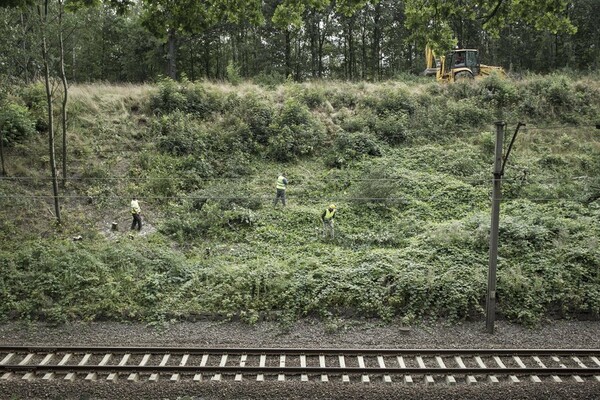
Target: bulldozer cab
pixel 462 61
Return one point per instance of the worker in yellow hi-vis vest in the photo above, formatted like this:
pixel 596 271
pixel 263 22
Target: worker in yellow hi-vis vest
pixel 327 217
pixel 136 213
pixel 280 186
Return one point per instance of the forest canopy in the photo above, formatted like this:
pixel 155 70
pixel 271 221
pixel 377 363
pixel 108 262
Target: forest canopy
pixel 270 41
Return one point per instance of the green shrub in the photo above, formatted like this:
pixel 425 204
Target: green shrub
pixel 16 123
pixel 555 96
pixel 498 92
pixel 294 132
pixel 313 96
pixel 233 73
pixel 465 89
pixel 201 102
pixel 211 211
pixel 466 114
pixel 377 188
pixel 390 101
pixel 178 134
pixel 258 114
pixel 169 98
pixel 34 96
pixel 344 97
pixel 357 123
pixel 392 128
pixel 269 79
pixel 348 147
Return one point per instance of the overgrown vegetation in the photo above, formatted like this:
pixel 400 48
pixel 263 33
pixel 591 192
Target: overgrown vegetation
pixel 408 165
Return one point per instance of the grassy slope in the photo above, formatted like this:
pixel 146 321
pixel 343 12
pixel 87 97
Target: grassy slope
pixel 421 251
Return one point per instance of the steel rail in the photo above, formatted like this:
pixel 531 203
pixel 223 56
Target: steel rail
pixel 294 351
pixel 191 369
pixel 30 362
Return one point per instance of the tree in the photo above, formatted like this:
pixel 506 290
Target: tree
pixel 65 92
pixel 172 18
pixel 43 14
pixel 431 21
pixel 586 42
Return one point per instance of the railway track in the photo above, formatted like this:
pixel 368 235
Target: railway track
pixel 405 366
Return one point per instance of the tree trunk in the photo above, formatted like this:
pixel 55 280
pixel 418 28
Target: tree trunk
pixel 192 51
pixel 2 153
pixel 314 39
pixel 288 53
pixel 63 78
pixel 350 55
pixel 322 36
pixel 364 60
pixel 45 56
pixel 24 49
pixel 243 51
pixel 172 55
pixel 376 55
pixel 298 66
pixel 207 55
pixel 218 65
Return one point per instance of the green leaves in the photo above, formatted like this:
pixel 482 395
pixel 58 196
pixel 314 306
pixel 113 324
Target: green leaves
pixel 431 21
pixel 412 228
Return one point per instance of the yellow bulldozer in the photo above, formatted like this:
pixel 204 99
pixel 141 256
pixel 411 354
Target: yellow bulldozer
pixel 458 64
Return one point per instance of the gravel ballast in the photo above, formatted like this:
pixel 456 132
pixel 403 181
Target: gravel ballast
pixel 307 333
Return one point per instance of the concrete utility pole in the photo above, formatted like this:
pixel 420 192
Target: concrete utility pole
pixel 493 262
pixel 499 165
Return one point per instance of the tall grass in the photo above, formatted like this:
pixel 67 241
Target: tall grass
pixel 408 164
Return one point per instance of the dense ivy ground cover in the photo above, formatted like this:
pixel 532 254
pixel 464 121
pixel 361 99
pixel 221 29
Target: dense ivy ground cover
pixel 408 165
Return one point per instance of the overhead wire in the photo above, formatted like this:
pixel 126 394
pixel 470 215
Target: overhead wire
pixel 524 180
pixel 406 199
pixel 269 179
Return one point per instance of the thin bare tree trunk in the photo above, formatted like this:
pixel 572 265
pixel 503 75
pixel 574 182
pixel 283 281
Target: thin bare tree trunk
pixel 63 78
pixel 2 153
pixel 172 55
pixel 45 56
pixel 288 53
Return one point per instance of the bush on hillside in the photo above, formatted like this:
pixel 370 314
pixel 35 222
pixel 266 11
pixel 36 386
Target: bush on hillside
pixel 392 128
pixel 178 134
pixel 313 96
pixel 498 92
pixel 201 102
pixel 258 114
pixel 557 97
pixel 377 188
pixel 294 132
pixel 212 210
pixel 169 98
pixel 355 123
pixel 390 101
pixel 16 123
pixel 465 115
pixel 34 96
pixel 464 89
pixel 342 98
pixel 349 147
pixel 186 97
pixel 269 79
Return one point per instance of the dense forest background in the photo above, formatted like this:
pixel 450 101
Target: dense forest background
pixel 370 41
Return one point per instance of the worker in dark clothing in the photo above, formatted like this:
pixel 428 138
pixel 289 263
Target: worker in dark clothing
pixel 327 217
pixel 136 213
pixel 281 185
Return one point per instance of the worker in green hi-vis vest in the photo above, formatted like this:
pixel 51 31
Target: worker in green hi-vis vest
pixel 327 217
pixel 280 186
